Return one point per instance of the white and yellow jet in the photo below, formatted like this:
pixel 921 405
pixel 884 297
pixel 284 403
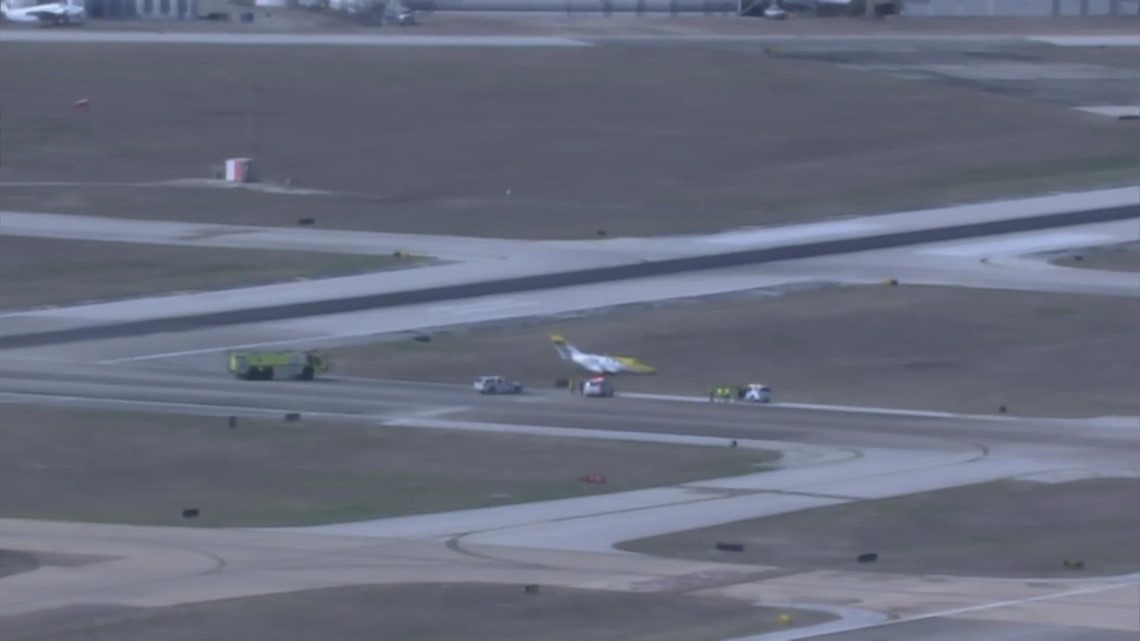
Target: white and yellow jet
pixel 599 363
pixel 44 12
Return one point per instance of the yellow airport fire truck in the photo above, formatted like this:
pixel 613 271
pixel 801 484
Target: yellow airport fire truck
pixel 265 366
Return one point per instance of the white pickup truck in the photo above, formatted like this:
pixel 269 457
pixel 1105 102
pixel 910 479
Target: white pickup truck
pixel 497 385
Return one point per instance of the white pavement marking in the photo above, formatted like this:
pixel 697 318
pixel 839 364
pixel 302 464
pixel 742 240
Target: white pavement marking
pixel 197 409
pixel 131 37
pixel 423 422
pixel 171 232
pixel 1122 421
pixel 1112 111
pixel 1088 41
pixel 851 409
pixel 849 619
pixel 795 233
pixel 1020 243
pixel 477 308
pixel 850 626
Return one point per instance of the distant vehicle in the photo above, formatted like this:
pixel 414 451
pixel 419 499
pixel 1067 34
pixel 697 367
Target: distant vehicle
pixel 65 12
pixel 598 386
pixel 599 363
pixel 265 366
pixel 404 18
pixel 755 393
pixel 773 10
pixel 497 385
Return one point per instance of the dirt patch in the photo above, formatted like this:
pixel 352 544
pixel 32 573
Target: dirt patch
pixel 426 612
pixel 40 271
pixel 634 140
pixel 1010 528
pixel 146 469
pixel 1124 257
pixel 932 348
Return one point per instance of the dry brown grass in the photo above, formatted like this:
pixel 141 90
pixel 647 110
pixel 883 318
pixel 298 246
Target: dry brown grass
pixel 635 140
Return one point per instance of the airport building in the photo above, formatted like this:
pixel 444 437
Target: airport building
pixel 147 9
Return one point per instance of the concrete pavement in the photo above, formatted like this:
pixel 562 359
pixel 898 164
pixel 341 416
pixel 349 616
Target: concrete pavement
pixel 1057 612
pixel 833 458
pixel 380 401
pixel 990 262
pixel 310 239
pixel 531 27
pixel 200 348
pixel 287 39
pixel 568 542
pixel 562 256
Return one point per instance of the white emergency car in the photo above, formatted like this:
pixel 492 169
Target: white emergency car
pixel 497 385
pixel 756 393
pixel 598 386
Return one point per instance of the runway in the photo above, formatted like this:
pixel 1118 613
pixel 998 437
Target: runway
pixel 387 401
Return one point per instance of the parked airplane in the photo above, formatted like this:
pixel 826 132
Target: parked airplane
pixel 599 363
pixel 63 12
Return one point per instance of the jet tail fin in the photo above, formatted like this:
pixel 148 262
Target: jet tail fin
pixel 565 349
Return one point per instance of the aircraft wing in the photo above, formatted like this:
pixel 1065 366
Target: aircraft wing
pixel 54 13
pixel 33 14
pixel 631 364
pixel 598 363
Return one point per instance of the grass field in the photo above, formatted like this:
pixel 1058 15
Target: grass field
pixel 1009 528
pixel 422 612
pixel 908 347
pixel 634 140
pixel 145 469
pixel 1124 257
pixel 40 271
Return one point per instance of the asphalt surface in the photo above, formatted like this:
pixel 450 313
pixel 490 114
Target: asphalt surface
pixel 16 563
pixel 568 279
pixel 380 400
pixel 986 263
pixel 560 542
pixel 899 453
pixel 956 629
